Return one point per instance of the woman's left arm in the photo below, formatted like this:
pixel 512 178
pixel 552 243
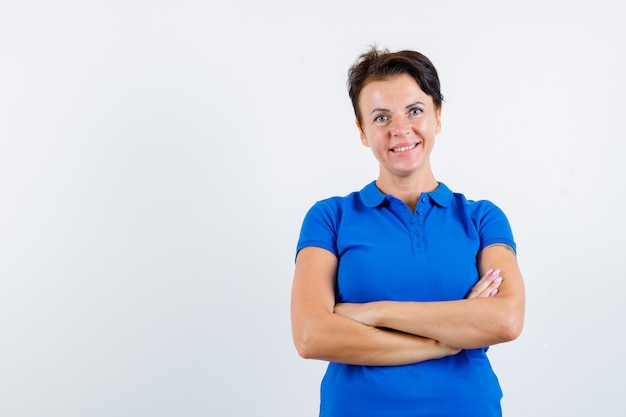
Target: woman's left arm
pixel 465 324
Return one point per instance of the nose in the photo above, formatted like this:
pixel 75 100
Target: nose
pixel 400 128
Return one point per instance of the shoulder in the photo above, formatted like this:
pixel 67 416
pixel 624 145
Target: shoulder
pixel 476 209
pixel 354 201
pixel 323 221
pixel 487 218
pixel 333 205
pixel 328 212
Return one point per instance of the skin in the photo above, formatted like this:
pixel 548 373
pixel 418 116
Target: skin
pixel 399 124
pixel 397 114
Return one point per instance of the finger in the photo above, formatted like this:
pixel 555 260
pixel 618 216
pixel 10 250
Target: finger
pixel 482 283
pixel 485 280
pixel 485 286
pixel 492 289
pixel 495 287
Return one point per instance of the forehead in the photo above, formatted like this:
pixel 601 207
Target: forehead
pixel 397 88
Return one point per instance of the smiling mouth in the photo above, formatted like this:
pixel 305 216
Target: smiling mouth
pixel 404 148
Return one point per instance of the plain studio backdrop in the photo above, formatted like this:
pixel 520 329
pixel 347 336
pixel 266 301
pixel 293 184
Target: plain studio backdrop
pixel 157 159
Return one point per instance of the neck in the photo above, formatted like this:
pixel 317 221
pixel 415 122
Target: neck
pixel 407 189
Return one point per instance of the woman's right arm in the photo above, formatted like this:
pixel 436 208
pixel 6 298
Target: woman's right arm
pixel 319 333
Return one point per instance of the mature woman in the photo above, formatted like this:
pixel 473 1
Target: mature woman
pixel 403 285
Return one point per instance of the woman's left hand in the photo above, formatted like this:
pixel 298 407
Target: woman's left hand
pixel 487 285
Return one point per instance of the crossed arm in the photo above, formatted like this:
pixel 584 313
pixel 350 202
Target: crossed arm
pixel 395 333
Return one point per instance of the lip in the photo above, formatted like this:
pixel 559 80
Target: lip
pixel 404 147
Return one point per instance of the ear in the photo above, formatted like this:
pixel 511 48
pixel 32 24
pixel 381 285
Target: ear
pixel 364 140
pixel 438 116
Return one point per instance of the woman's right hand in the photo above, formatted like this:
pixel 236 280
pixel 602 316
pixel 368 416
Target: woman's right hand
pixel 487 285
pixel 445 349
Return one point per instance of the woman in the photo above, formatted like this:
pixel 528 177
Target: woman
pixel 403 285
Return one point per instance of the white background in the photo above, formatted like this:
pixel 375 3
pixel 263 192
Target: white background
pixel 157 159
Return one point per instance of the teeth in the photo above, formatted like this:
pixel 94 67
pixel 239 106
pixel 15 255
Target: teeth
pixel 404 148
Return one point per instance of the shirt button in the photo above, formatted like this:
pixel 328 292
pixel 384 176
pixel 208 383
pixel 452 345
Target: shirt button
pixel 419 212
pixel 423 199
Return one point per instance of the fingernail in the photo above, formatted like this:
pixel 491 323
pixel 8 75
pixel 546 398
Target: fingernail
pixel 489 272
pixel 496 272
pixel 497 280
pixel 494 292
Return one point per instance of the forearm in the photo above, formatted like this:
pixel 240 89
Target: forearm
pixel 463 323
pixel 493 312
pixel 338 339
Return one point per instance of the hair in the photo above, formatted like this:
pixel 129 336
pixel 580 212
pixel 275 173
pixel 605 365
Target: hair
pixel 376 65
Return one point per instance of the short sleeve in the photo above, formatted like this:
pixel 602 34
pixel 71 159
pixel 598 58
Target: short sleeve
pixel 319 227
pixel 493 226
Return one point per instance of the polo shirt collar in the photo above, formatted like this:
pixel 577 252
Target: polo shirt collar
pixel 441 195
pixel 373 197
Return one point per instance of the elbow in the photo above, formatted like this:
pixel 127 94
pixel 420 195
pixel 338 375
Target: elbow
pixel 303 350
pixel 311 335
pixel 305 344
pixel 511 327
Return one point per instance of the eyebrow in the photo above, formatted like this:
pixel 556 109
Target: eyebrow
pixel 408 106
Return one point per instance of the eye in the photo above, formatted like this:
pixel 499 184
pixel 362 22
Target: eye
pixel 381 118
pixel 415 111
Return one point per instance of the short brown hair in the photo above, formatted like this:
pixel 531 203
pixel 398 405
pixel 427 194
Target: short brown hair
pixel 375 65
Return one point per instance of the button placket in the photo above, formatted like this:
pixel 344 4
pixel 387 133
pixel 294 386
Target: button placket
pixel 419 220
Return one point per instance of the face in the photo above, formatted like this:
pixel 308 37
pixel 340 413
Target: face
pixel 399 123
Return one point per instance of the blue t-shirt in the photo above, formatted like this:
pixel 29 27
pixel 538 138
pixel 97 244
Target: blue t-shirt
pixel 385 252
